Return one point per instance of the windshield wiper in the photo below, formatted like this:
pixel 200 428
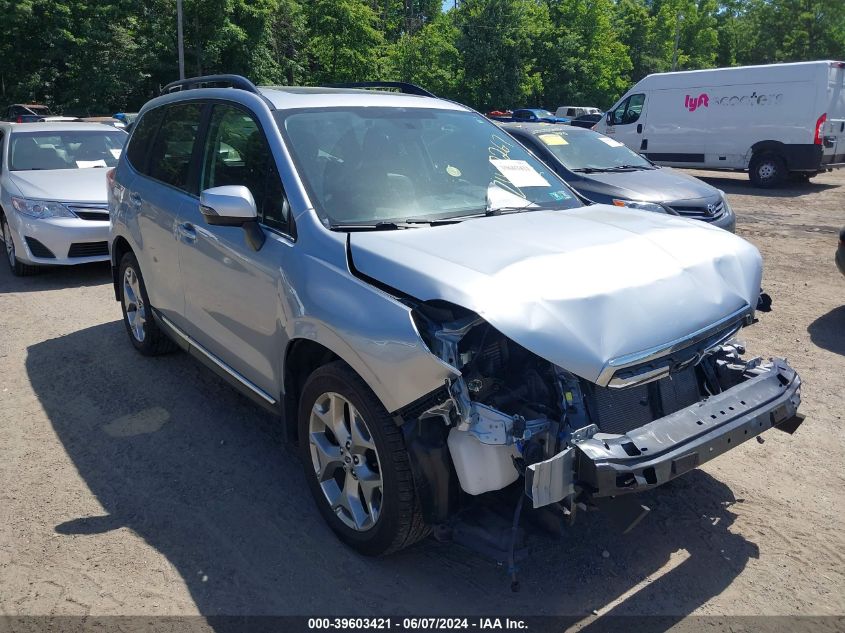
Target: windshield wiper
pixel 628 167
pixel 394 225
pixel 505 210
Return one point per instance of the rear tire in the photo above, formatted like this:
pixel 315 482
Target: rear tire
pixel 347 438
pixel 766 170
pixel 146 335
pixel 18 268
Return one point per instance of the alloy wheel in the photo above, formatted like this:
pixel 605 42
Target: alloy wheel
pixel 345 461
pixel 136 314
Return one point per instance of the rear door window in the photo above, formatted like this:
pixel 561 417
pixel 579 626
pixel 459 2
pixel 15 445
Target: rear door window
pixel 171 152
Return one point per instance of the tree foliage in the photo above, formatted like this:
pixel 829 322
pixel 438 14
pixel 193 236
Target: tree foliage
pixel 87 57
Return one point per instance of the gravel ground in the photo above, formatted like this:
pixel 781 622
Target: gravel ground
pixel 131 485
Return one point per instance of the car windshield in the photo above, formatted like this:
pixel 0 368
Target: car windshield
pixel 371 165
pixel 585 150
pixel 65 149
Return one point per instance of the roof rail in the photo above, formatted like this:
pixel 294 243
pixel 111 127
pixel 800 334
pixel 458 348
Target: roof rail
pixel 211 81
pixel 402 86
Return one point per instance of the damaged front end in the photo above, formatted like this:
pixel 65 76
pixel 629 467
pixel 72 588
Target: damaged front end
pixel 648 418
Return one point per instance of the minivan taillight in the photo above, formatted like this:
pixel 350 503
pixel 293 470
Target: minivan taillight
pixel 817 139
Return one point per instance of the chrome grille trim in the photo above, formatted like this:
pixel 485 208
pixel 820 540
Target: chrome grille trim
pixel 698 211
pixel 90 211
pixel 725 328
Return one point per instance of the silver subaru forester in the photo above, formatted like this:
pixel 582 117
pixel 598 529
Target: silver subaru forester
pixel 430 310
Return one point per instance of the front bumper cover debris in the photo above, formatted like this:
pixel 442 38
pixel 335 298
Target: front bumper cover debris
pixel 651 455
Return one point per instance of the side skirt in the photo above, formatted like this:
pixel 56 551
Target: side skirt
pixel 237 380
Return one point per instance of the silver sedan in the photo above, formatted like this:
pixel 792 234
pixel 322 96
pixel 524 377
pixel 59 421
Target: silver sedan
pixel 53 203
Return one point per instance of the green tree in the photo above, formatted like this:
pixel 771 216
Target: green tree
pixel 429 58
pixel 586 63
pixel 344 43
pixel 498 42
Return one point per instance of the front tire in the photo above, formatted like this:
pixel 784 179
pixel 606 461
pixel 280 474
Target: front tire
pixel 146 335
pixel 356 463
pixel 766 170
pixel 18 268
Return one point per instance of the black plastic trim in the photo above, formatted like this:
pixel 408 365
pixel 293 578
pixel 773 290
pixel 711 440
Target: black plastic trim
pixel 403 87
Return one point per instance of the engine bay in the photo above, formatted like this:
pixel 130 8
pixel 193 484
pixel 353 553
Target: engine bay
pixel 510 409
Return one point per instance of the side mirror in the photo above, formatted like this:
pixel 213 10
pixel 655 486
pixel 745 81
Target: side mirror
pixel 233 205
pixel 609 118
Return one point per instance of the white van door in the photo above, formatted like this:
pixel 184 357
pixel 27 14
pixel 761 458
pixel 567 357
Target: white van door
pixel 678 127
pixel 626 121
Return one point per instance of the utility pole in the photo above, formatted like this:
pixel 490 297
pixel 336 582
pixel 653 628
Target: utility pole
pixel 181 39
pixel 678 21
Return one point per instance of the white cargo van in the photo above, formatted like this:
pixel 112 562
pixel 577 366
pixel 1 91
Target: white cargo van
pixel 775 121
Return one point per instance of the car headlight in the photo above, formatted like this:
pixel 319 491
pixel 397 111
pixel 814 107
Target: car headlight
pixel 41 208
pixel 636 204
pixel 725 202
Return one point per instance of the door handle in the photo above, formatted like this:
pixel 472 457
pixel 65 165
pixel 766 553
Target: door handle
pixel 187 232
pixel 639 128
pixel 135 199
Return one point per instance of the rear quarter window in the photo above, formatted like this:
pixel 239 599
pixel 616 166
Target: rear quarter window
pixel 138 148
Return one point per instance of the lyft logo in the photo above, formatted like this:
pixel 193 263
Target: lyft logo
pixel 693 103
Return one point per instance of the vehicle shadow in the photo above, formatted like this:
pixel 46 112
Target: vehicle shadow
pixel 828 331
pixel 743 186
pixel 202 475
pixel 55 278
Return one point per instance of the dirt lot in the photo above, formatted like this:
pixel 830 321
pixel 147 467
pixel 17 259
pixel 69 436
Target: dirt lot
pixel 131 485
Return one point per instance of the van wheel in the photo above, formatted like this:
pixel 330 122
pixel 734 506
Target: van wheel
pixel 766 170
pixel 146 336
pixel 18 268
pixel 356 463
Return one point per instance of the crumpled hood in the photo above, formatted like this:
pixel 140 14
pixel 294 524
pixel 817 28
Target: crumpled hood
pixel 62 185
pixel 576 287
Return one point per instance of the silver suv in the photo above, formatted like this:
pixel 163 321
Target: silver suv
pixel 430 310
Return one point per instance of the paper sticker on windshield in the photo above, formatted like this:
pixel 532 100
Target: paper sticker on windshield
pixel 553 139
pixel 115 152
pixel 560 195
pixel 610 141
pixel 519 173
pixel 453 171
pixel 82 164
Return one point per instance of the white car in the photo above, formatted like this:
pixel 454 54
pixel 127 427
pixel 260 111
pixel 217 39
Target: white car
pixel 573 112
pixel 53 202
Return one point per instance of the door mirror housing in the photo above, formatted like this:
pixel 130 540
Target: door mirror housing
pixel 232 205
pixel 609 118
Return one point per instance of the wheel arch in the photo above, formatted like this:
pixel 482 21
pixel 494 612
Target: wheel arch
pixel 302 357
pixel 766 147
pixel 119 247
